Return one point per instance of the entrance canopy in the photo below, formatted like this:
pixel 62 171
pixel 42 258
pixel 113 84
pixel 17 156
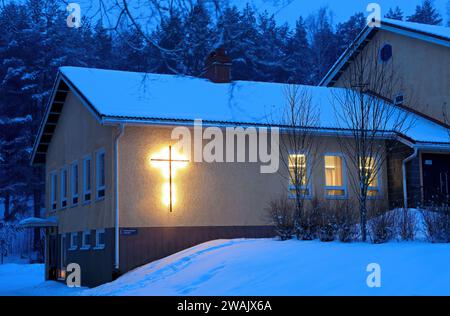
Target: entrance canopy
pixel 34 222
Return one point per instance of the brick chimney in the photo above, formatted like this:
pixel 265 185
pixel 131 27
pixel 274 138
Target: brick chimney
pixel 218 66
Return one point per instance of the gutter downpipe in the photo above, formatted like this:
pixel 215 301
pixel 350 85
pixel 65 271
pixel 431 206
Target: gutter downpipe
pixel 405 190
pixel 116 194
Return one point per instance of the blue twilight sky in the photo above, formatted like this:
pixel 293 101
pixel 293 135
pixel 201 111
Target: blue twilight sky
pixel 287 10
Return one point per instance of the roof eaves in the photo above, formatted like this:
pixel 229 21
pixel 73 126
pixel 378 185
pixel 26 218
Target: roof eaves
pixel 423 35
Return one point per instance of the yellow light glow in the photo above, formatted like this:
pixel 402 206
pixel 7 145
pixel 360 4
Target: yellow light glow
pixel 166 194
pixel 169 162
pixel 161 161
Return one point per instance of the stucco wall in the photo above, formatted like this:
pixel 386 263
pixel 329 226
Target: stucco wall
pixel 77 134
pixel 423 68
pixel 208 194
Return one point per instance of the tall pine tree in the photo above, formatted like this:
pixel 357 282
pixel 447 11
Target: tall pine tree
pixel 395 14
pixel 426 13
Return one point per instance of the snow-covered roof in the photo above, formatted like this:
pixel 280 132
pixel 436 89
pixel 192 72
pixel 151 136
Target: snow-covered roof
pixel 435 30
pixel 436 34
pixel 34 222
pixel 119 96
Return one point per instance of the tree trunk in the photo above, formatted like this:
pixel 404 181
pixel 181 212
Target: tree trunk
pixel 37 213
pixel 7 206
pixel 363 216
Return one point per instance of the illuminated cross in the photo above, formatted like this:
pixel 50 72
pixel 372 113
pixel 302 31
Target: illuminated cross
pixel 173 164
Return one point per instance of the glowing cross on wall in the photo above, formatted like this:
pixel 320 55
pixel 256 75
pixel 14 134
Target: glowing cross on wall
pixel 169 166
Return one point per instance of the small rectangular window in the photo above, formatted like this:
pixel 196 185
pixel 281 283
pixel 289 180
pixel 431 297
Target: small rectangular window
pixel 334 176
pixel 74 183
pixel 399 98
pixel 63 187
pixel 87 179
pixel 298 175
pixel 53 189
pixel 100 241
pixel 73 241
pixel 100 170
pixel 86 240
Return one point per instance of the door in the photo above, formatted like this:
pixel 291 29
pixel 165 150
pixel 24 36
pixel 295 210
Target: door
pixel 52 257
pixel 62 257
pixel 436 178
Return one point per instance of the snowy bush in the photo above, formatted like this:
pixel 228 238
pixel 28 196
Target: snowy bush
pixel 281 212
pixel 406 224
pixel 346 219
pixel 327 226
pixel 437 224
pixel 7 234
pixel 382 226
pixel 306 226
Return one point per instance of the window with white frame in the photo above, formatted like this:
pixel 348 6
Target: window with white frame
pixel 100 171
pixel 53 190
pixel 371 173
pixel 73 241
pixel 334 176
pixel 298 175
pixel 100 241
pixel 74 182
pixel 86 240
pixel 87 162
pixel 64 190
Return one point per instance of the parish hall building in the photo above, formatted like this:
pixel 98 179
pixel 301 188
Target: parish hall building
pixel 118 195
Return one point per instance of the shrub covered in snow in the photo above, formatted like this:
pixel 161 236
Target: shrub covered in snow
pixel 437 224
pixel 281 212
pixel 406 224
pixel 346 219
pixel 382 226
pixel 306 226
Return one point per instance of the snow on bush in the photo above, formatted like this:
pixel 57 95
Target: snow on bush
pixel 281 212
pixel 437 224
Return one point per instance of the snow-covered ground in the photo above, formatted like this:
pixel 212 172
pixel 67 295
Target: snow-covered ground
pixel 265 267
pixel 28 279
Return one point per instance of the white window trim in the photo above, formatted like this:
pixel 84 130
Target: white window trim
pixel 72 246
pixel 97 245
pixel 344 179
pixel 308 174
pixel 97 174
pixel 72 186
pixel 85 191
pixel 53 190
pixel 83 245
pixel 63 198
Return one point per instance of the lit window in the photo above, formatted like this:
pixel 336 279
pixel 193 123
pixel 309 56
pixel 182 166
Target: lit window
pixel 100 239
pixel 100 170
pixel 73 241
pixel 372 176
pixel 87 179
pixel 298 178
pixel 334 177
pixel 74 183
pixel 63 187
pixel 86 240
pixel 53 189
